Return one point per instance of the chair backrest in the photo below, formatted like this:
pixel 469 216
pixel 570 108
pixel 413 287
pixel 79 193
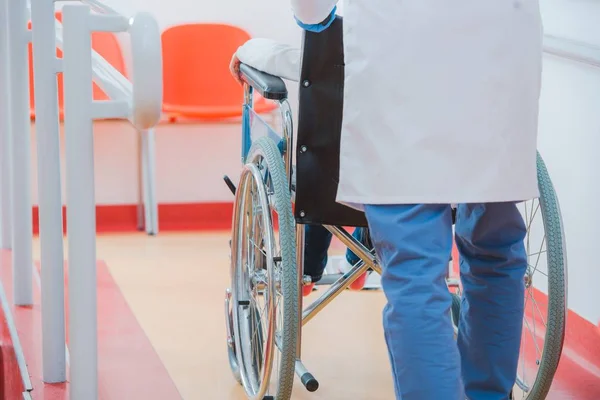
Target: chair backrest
pixel 319 131
pixel 104 43
pixel 195 64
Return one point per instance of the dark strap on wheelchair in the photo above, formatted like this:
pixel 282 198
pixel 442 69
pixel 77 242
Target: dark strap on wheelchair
pixel 269 86
pixel 319 130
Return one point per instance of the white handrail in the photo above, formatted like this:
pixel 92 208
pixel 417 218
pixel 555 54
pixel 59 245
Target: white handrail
pixel 145 101
pixel 572 50
pixel 147 57
pixel 140 101
pixel 106 76
pixel 101 7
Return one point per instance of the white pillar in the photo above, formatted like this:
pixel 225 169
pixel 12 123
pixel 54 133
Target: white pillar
pixel 81 217
pixel 49 190
pixel 5 142
pixel 22 228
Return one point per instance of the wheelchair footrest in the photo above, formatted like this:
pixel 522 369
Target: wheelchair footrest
pixel 328 279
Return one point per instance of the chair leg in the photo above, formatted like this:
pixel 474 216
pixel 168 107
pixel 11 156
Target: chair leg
pixel 140 172
pixel 149 182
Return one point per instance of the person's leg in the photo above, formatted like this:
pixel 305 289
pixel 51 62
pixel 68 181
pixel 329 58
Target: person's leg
pixel 316 244
pixel 362 235
pixel 413 243
pixel 493 261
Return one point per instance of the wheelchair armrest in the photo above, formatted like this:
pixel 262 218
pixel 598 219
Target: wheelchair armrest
pixel 269 86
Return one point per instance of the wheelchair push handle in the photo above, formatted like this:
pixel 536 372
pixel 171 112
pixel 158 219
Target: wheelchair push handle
pixel 269 86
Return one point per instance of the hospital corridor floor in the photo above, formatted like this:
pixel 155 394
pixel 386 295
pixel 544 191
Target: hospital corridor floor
pixel 174 285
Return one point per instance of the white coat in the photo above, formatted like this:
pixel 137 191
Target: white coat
pixel 440 99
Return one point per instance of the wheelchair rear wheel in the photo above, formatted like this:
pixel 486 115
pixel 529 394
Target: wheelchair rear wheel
pixel 545 292
pixel 262 312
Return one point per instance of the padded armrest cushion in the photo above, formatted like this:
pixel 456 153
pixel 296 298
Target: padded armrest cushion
pixel 269 86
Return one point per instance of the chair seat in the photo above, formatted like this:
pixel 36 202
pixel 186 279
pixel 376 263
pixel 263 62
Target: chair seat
pixel 173 111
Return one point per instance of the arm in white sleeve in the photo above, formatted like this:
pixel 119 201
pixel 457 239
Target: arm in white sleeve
pixel 271 57
pixel 312 11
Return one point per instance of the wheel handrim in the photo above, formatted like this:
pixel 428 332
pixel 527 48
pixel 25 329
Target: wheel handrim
pixel 536 307
pixel 254 286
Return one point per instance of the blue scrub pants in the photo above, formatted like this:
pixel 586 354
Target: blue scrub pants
pixel 414 243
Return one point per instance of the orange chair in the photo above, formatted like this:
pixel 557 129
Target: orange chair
pixel 196 79
pixel 104 43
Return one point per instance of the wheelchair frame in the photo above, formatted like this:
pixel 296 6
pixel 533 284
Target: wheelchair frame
pixel 367 258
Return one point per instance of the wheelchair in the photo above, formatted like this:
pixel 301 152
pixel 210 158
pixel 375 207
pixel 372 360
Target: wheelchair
pixel 264 308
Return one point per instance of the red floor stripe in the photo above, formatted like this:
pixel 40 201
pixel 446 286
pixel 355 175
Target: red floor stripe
pixel 128 365
pixel 29 326
pixel 171 217
pixel 11 384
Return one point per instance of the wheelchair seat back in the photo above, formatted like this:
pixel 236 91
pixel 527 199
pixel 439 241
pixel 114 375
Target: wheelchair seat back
pixel 319 131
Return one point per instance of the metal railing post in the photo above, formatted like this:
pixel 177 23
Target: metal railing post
pixel 81 211
pixel 45 66
pixel 5 142
pixel 22 223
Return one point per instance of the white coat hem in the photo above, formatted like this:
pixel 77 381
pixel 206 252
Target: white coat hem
pixel 358 202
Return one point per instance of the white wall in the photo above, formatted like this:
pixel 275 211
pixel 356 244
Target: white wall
pixel 572 19
pixel 261 18
pixel 191 161
pixel 570 142
pixel 192 158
